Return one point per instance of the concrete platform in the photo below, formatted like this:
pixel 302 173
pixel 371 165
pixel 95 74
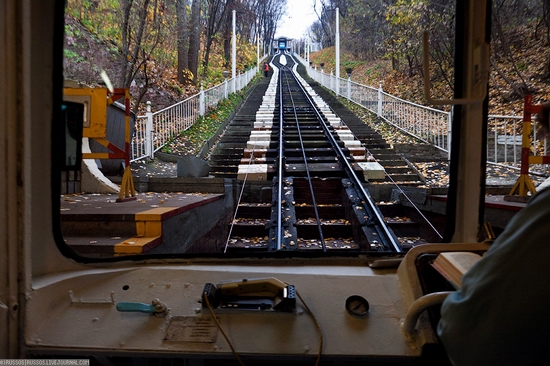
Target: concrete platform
pixel 352 143
pixel 258 145
pixel 495 201
pixel 97 225
pixel 498 211
pixel 372 170
pixel 253 172
pixel 260 136
pixel 263 124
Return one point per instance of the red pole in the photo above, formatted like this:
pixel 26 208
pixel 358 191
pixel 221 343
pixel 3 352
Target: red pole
pixel 127 136
pixel 527 100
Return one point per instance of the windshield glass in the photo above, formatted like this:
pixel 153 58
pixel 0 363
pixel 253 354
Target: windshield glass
pixel 207 131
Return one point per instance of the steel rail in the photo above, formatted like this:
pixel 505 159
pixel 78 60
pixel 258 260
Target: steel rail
pixel 314 202
pixel 375 217
pixel 280 166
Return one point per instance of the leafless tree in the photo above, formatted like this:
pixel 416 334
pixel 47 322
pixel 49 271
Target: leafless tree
pixel 216 16
pixel 131 42
pixel 228 26
pixel 194 38
pixel 183 41
pixel 509 17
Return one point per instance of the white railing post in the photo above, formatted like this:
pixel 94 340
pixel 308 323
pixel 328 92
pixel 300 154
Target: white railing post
pixel 149 131
pixel 151 136
pixel 337 38
pixel 331 81
pixel 146 140
pixel 234 50
pixel 202 108
pixel 449 130
pixel 380 100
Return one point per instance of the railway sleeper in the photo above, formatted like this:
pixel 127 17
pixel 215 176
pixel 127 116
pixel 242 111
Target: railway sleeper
pixel 356 152
pixel 283 236
pixel 344 223
pixel 364 223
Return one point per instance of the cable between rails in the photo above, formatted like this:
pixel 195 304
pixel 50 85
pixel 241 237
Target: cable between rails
pixel 415 207
pixel 238 202
pixel 239 359
pixel 314 202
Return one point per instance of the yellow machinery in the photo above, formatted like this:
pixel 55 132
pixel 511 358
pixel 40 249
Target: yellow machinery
pixel 95 101
pixel 524 184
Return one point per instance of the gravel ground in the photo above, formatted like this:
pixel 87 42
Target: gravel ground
pixel 154 168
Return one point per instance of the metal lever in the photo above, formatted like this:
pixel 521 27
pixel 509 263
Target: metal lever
pixel 157 308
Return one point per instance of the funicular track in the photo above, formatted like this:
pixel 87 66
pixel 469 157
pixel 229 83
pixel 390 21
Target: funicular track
pixel 304 172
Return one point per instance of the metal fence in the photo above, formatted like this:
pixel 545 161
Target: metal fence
pixel 426 124
pixel 431 125
pixel 155 129
pixel 504 140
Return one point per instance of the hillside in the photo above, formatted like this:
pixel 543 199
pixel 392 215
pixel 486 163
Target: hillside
pixel 85 56
pixel 503 101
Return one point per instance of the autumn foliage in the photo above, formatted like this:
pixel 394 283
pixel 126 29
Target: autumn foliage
pixel 381 41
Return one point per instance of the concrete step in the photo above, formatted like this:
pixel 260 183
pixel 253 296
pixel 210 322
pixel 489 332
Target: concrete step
pixel 404 177
pixel 97 225
pixel 399 170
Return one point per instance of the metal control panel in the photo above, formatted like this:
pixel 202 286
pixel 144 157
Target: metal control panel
pixel 161 309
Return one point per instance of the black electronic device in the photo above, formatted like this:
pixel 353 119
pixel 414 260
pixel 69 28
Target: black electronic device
pixel 268 294
pixel 71 134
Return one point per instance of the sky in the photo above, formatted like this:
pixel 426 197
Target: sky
pixel 297 19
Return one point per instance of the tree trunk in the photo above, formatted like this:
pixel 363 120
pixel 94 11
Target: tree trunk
pixel 183 40
pixel 131 70
pixel 194 39
pixel 546 19
pixel 126 8
pixel 521 88
pixel 216 18
pixel 227 32
pixel 143 89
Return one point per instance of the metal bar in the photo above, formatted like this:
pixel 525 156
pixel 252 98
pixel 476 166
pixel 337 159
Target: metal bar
pixel 280 167
pixel 382 229
pixel 319 228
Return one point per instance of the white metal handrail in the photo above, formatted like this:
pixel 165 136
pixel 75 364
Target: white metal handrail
pixel 427 124
pixel 155 129
pixel 431 125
